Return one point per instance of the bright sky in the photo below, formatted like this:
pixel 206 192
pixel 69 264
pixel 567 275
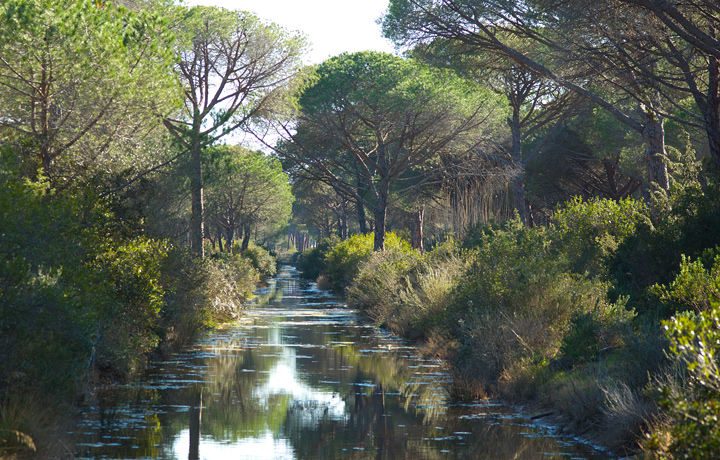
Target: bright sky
pixel 332 26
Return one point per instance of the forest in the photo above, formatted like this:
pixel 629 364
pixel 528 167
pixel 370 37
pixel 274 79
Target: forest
pixel 528 191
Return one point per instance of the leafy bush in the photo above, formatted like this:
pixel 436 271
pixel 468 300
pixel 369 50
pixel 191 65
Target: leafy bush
pixel 380 280
pixel 312 263
pixel 693 430
pixel 344 259
pixel 127 325
pixel 688 225
pixel 589 232
pixel 694 286
pixel 261 259
pixel 514 304
pixel 590 332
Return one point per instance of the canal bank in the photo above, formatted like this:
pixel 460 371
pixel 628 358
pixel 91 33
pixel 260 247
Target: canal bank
pixel 302 376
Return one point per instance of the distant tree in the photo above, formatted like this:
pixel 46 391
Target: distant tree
pixel 233 67
pixel 387 120
pixel 245 189
pixel 321 209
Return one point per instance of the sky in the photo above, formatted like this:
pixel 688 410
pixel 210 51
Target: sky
pixel 331 26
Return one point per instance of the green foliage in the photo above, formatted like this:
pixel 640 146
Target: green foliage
pixel 694 286
pixel 246 188
pixel 688 225
pixel 514 304
pixel 695 340
pixel 261 260
pixel 344 259
pixel 589 232
pixel 312 263
pixel 77 80
pixel 407 291
pixel 79 295
pixel 127 323
pixel 591 332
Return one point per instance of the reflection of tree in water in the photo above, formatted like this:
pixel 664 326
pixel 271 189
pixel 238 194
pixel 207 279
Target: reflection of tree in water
pixel 315 382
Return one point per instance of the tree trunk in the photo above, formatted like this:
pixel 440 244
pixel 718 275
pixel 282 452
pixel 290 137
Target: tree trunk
pixel 197 221
pixel 379 240
pixel 518 181
pixel 362 219
pixel 229 240
pixel 712 111
pixel 247 230
pixel 343 221
pixel 654 136
pixel 417 233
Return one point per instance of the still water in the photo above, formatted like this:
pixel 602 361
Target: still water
pixel 302 377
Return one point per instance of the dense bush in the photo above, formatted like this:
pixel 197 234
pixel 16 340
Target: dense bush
pixel 344 259
pixel 694 286
pixel 312 263
pixel 692 431
pixel 381 279
pixel 78 296
pixel 589 232
pixel 686 224
pixel 261 259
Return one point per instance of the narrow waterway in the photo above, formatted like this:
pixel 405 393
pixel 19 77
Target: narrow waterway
pixel 302 377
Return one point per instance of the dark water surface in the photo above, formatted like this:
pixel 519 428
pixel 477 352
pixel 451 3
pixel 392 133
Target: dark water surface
pixel 303 378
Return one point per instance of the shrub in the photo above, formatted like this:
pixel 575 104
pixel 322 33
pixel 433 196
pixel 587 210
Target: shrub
pixel 513 305
pixel 694 286
pixel 127 326
pixel 602 328
pixel 688 225
pixel 694 430
pixel 380 280
pixel 589 232
pixel 344 259
pixel 312 263
pixel 261 259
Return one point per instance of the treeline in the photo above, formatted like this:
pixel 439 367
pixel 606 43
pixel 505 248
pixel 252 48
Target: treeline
pixel 114 185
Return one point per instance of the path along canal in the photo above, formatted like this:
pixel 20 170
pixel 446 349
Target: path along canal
pixel 302 377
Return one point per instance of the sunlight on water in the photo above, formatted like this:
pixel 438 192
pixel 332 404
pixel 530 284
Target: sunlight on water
pixel 302 377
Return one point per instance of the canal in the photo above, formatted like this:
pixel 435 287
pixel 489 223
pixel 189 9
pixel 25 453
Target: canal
pixel 303 377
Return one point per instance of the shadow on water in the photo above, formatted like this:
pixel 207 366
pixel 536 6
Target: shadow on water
pixel 301 377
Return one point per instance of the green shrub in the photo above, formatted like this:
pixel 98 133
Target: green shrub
pixel 380 280
pixel 312 263
pixel 261 259
pixel 127 324
pixel 513 305
pixel 406 291
pixel 344 259
pixel 694 286
pixel 589 232
pixel 590 332
pixel 693 429
pixel 688 225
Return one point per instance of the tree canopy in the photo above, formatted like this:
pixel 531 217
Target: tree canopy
pixel 233 67
pixel 80 82
pixel 375 121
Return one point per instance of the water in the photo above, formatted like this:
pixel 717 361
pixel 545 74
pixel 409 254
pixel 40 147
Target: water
pixel 302 377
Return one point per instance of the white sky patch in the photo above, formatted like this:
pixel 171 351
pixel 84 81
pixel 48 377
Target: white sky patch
pixel 332 26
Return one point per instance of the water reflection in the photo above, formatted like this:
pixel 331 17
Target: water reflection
pixel 302 378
